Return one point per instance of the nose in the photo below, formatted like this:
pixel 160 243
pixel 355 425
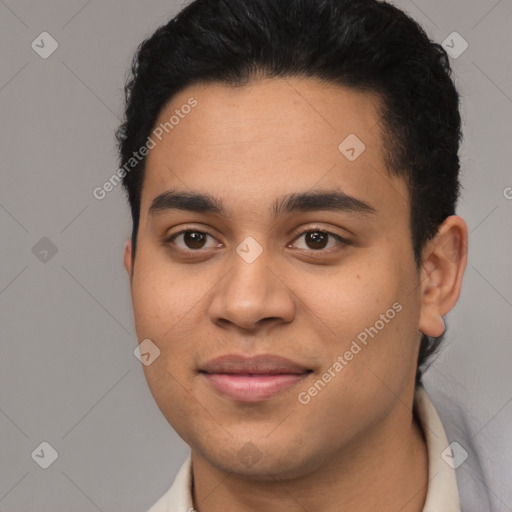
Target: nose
pixel 253 295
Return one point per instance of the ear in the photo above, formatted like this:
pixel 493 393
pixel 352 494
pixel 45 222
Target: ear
pixel 444 262
pixel 128 259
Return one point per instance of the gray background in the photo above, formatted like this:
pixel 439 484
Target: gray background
pixel 68 375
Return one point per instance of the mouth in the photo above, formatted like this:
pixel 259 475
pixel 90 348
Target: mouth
pixel 253 379
pixel 253 387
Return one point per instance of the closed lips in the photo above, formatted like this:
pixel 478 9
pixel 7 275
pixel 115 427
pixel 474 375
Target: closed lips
pixel 255 365
pixel 252 379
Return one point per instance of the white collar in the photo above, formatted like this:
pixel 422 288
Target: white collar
pixel 442 492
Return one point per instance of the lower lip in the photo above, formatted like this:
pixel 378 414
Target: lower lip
pixel 252 388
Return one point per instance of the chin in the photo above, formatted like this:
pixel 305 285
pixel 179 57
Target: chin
pixel 265 463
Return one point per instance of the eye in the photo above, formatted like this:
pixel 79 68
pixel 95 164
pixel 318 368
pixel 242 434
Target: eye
pixel 190 239
pixel 315 240
pixel 318 240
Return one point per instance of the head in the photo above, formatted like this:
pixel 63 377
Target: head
pixel 262 120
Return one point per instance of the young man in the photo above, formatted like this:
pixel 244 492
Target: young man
pixel 292 171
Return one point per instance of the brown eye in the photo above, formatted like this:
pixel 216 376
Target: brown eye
pixel 189 239
pixel 194 239
pixel 316 239
pixel 320 240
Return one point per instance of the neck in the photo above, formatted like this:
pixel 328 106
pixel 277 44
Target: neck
pixel 386 469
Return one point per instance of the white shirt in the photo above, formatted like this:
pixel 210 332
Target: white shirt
pixel 442 491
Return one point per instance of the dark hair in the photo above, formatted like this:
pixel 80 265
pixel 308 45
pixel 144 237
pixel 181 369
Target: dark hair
pixel 366 45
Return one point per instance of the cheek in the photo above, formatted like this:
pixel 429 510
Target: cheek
pixel 348 299
pixel 168 304
pixel 161 297
pixel 165 303
pixel 365 312
pixel 381 323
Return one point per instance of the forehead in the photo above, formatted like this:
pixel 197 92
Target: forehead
pixel 269 138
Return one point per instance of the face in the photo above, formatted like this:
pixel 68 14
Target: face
pixel 329 284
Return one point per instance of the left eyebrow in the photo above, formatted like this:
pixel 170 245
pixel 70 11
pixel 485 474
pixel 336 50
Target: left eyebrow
pixel 318 200
pixel 321 200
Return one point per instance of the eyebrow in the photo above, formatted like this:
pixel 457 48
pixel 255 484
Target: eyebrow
pixel 318 200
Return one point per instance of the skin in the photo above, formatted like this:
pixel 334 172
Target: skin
pixel 356 442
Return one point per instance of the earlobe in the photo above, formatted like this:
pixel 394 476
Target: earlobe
pixel 127 258
pixel 432 324
pixel 444 263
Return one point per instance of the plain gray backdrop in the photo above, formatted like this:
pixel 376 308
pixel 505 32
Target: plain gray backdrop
pixel 68 375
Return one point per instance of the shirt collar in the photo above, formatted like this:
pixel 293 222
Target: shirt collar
pixel 442 492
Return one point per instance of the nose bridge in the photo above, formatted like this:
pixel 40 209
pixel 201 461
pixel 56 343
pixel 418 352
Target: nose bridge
pixel 251 291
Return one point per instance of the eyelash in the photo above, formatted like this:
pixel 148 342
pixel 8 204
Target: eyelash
pixel 340 239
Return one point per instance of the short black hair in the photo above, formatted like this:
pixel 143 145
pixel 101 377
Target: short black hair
pixel 365 45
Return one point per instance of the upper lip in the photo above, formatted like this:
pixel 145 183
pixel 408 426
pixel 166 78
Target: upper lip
pixel 263 364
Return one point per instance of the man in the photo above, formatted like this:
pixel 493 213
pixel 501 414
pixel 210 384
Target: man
pixel 292 171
